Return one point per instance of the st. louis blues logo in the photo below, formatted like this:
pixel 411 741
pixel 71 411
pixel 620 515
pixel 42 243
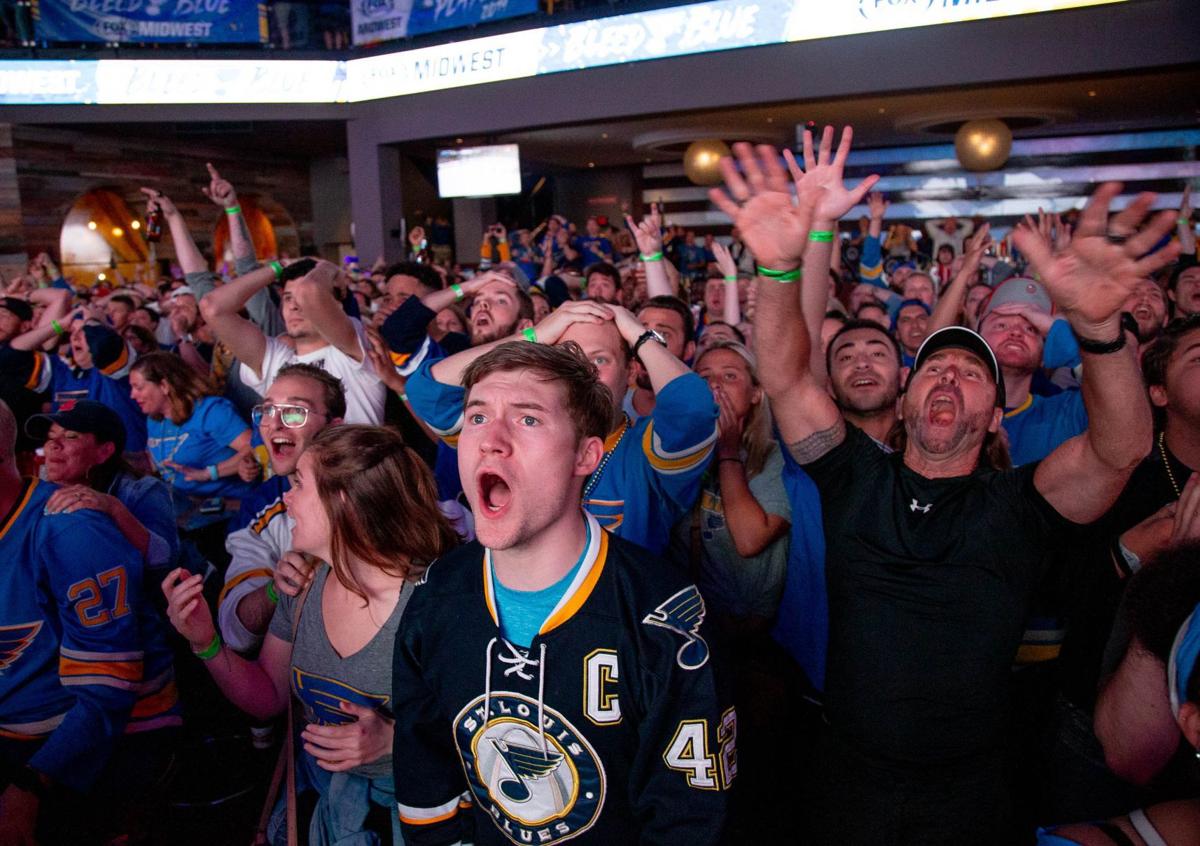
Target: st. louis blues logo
pixel 537 786
pixel 322 698
pixel 14 640
pixel 683 613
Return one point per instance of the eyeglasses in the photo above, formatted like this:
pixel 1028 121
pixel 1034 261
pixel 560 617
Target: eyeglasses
pixel 291 416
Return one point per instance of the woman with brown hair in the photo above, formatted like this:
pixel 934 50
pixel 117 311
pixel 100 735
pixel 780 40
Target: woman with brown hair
pixel 196 441
pixel 366 504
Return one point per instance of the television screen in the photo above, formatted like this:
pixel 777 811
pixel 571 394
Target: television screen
pixel 479 171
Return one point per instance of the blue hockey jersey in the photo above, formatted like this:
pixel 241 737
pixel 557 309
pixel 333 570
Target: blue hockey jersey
pixel 83 657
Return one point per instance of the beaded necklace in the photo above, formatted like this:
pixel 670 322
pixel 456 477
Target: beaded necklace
pixel 1162 450
pixel 599 471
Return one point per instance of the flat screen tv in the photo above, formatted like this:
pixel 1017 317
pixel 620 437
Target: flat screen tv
pixel 479 171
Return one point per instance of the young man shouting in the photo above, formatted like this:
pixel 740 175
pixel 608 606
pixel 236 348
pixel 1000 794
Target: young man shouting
pixel 549 680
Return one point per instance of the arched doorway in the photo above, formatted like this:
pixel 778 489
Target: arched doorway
pixel 101 235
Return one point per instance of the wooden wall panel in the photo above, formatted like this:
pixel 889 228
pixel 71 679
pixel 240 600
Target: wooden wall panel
pixel 44 170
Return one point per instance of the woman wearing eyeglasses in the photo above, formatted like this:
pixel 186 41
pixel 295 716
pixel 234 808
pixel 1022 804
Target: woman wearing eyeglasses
pixel 366 504
pixel 196 441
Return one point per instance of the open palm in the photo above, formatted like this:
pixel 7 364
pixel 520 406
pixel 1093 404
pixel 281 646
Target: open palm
pixel 1090 279
pixel 761 207
pixel 822 177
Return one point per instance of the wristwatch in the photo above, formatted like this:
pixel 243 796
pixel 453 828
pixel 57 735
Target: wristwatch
pixel 648 335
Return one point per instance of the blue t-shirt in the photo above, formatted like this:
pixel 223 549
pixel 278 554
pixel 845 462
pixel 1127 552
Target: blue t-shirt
pixel 594 248
pixel 1037 426
pixel 199 441
pixel 522 612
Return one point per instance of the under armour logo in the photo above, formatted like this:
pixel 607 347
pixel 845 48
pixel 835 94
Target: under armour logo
pixel 924 509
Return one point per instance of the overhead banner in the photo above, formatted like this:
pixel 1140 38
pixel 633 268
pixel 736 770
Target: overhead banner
pixel 380 20
pixel 658 34
pixel 158 21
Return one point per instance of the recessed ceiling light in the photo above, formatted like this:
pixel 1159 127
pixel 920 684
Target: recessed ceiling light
pixel 882 110
pixel 457 140
pixel 1091 93
pixel 770 120
pixel 603 134
pixel 591 164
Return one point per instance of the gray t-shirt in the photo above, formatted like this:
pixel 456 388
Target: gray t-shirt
pixel 730 583
pixel 320 678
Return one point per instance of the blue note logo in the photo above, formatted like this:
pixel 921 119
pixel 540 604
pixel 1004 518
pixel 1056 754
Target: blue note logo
pixel 376 7
pixel 537 786
pixel 683 613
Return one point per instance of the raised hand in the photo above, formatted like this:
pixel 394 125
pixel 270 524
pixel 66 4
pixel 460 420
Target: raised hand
pixel 648 233
pixel 822 177
pixel 877 206
pixel 978 243
pixel 1105 260
pixel 725 261
pixel 219 190
pixel 157 199
pixel 760 204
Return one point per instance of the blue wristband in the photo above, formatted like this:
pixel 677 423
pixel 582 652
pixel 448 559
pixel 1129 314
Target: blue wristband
pixel 213 473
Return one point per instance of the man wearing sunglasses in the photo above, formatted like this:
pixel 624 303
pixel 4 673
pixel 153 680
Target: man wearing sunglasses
pixel 301 402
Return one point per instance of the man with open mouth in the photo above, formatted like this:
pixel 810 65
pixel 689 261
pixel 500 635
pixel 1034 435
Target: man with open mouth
pixel 303 401
pixel 651 469
pixel 551 681
pixel 932 554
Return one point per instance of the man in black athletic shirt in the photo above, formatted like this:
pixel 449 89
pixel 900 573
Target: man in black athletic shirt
pixel 933 553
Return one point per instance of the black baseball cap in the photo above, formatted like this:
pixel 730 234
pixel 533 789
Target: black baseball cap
pixel 21 308
pixel 962 338
pixel 87 416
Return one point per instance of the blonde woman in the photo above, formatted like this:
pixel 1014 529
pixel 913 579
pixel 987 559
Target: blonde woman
pixel 737 539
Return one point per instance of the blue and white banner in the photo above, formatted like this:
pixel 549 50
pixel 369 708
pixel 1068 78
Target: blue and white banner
pixel 380 20
pixel 434 15
pixel 662 33
pixel 112 21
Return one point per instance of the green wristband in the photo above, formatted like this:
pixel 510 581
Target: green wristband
pixel 458 291
pixel 731 278
pixel 57 327
pixel 780 275
pixel 272 594
pixel 232 210
pixel 529 334
pixel 821 236
pixel 651 257
pixel 277 268
pixel 210 652
pixel 1185 221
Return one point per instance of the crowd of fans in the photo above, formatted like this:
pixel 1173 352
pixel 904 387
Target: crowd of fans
pixel 800 533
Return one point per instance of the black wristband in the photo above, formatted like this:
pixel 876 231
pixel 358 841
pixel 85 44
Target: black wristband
pixel 1092 347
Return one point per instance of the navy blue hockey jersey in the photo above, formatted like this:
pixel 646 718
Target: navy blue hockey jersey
pixel 608 728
